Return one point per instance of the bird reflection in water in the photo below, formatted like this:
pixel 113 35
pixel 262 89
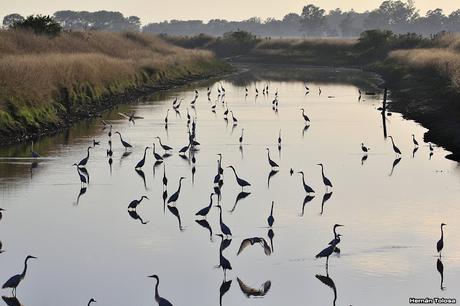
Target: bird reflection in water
pixel 414 151
pixel 395 163
pixel 175 212
pixel 330 283
pixel 306 200
pixel 133 214
pixel 326 198
pixel 11 301
pixel 242 195
pixel 142 175
pixel 440 268
pixel 271 235
pixel 1 248
pixel 363 159
pixel 205 224
pixel 252 292
pixel 270 175
pixel 305 129
pixel 224 287
pixel 82 192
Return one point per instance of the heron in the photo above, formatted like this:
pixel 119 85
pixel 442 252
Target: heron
pixel 110 131
pixel 307 188
pixel 440 244
pixel 279 139
pixel 141 163
pixel 91 301
pixel 235 121
pixel 157 156
pixel 124 143
pixel 224 263
pixel 220 170
pixel 224 287
pixel 241 137
pixel 431 147
pixel 240 181
pixel 160 300
pixel 133 205
pixel 270 161
pixel 414 140
pixel 326 181
pixel 329 250
pixel 184 149
pixel 175 196
pixel 364 148
pixel 224 242
pixel 166 117
pixel 337 250
pixel 305 117
pixel 84 161
pixel 271 219
pixel 251 241
pixel 395 148
pixel 83 179
pixel 34 154
pixel 204 211
pixel 165 147
pixel 1 214
pixel 14 281
pixel 223 227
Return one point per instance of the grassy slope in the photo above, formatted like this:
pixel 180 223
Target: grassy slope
pixel 45 82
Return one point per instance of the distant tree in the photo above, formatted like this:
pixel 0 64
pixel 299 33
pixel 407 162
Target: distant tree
pixel 10 19
pixel 39 24
pixel 453 21
pixel 395 15
pixel 100 20
pixel 313 20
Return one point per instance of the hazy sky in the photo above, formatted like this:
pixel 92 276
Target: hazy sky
pixel 156 10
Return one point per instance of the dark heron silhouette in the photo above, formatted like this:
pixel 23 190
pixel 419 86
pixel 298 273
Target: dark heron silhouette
pixel 326 181
pixel 157 156
pixel 224 242
pixel 223 227
pixel 271 174
pixel 33 153
pixel 241 137
pixel 165 179
pixel 414 140
pixel 252 292
pixel 91 301
pixel 165 147
pixel 270 235
pixel 11 301
pixel 204 211
pixel 364 148
pixel 175 212
pixel 141 163
pixel 307 188
pixel 326 198
pixel 84 161
pixel 440 268
pixel 440 244
pixel 175 196
pixel 184 149
pixel 306 200
pixel 305 117
pixel 160 300
pixel 224 263
pixel 133 214
pixel 337 250
pixel 15 280
pixel 363 159
pixel 251 241
pixel 124 143
pixel 242 195
pixel 270 161
pixel 393 166
pixel 224 287
pixel 395 148
pixel 271 219
pixel 81 192
pixel 279 139
pixel 235 121
pixel 204 223
pixel 240 181
pixel 329 250
pixel 81 175
pixel 133 205
pixel 330 283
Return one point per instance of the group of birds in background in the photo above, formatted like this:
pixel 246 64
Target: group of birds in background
pixel 188 151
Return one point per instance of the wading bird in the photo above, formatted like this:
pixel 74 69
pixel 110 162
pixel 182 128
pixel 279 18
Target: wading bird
pixel 33 153
pixel 240 181
pixel 175 196
pixel 165 179
pixel 305 117
pixel 124 143
pixel 271 219
pixel 14 281
pixel 224 263
pixel 91 301
pixel 241 137
pixel 364 148
pixel 166 117
pixel 133 205
pixel 251 241
pixel 395 148
pixel 270 161
pixel 307 188
pixel 235 121
pixel 83 179
pixel 160 300
pixel 157 156
pixel 326 181
pixel 130 117
pixel 84 161
pixel 141 163
pixel 279 139
pixel 440 244
pixel 165 147
pixel 223 227
pixel 329 250
pixel 204 211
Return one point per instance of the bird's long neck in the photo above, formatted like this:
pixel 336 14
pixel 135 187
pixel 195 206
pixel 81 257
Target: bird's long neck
pixel 157 296
pixel 303 178
pixel 392 142
pixel 271 210
pixel 23 274
pixel 335 233
pixel 159 140
pixel 145 152
pixel 268 154
pixel 234 171
pixel 442 233
pixel 220 216
pixel 210 202
pixel 120 136
pixel 180 185
pixel 322 170
pixel 87 153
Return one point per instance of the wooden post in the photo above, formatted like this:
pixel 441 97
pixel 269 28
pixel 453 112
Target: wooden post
pixel 384 109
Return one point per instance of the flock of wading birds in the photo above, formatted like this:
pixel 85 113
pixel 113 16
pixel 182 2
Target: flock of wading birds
pixel 190 149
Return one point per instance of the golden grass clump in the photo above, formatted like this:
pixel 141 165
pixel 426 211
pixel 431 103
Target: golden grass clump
pixel 295 43
pixel 446 61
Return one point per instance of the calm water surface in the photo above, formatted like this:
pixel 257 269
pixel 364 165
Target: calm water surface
pixel 89 246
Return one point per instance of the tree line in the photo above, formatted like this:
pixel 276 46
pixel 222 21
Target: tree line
pixel 397 16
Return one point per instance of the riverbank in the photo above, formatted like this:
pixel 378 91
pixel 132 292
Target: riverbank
pixel 49 83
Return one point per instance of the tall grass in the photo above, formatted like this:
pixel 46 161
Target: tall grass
pixel 63 73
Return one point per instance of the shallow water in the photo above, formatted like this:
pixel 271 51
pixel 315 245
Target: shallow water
pixel 91 247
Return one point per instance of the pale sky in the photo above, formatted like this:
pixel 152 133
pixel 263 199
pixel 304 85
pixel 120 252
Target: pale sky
pixel 159 10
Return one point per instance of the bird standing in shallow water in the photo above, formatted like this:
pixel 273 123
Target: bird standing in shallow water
pixel 175 196
pixel 160 300
pixel 14 281
pixel 91 301
pixel 223 227
pixel 271 219
pixel 440 244
pixel 270 161
pixel 133 205
pixel 84 161
pixel 364 148
pixel 124 143
pixel 305 117
pixel 141 163
pixel 240 181
pixel 414 140
pixel 329 250
pixel 307 188
pixel 395 148
pixel 326 181
pixel 204 211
